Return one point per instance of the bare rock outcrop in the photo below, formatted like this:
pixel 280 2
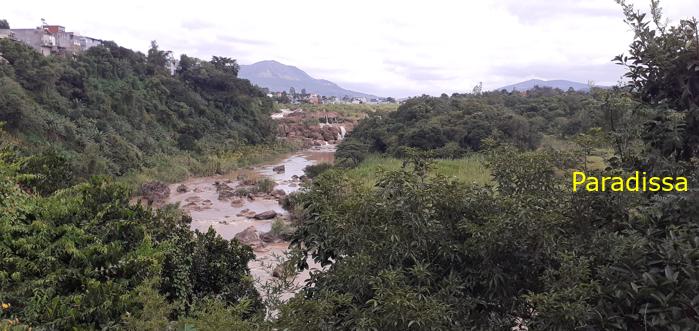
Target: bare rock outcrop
pixel 225 192
pixel 250 237
pixel 155 192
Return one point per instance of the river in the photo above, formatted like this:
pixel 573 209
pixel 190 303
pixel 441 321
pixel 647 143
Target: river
pixel 202 203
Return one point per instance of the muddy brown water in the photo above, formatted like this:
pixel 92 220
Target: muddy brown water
pixel 207 211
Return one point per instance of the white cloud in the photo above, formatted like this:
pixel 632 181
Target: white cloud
pixel 384 47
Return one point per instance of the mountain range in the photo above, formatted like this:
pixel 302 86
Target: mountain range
pixel 280 77
pixel 559 84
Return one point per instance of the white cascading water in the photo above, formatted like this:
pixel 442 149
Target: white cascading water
pixel 342 133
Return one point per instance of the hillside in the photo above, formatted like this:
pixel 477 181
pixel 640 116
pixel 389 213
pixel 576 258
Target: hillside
pixel 559 84
pixel 280 77
pixel 112 110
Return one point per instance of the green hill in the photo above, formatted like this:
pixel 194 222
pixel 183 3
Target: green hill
pixel 112 110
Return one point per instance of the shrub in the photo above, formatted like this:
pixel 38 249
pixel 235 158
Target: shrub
pixel 265 185
pixel 314 170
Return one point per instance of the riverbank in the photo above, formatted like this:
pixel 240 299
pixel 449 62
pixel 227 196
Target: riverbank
pixel 234 217
pixel 181 167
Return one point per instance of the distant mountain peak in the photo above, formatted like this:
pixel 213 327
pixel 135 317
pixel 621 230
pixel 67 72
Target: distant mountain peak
pixel 556 83
pixel 277 76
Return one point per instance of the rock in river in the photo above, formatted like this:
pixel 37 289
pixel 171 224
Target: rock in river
pixel 182 189
pixel 279 169
pixel 249 236
pixel 266 215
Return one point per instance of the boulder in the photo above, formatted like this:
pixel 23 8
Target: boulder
pixel 225 195
pixel 193 199
pixel 225 192
pixel 278 193
pixel 278 271
pixel 279 169
pixel 191 206
pixel 237 203
pixel 247 213
pixel 249 236
pixel 266 215
pixel 155 192
pixel 268 237
pixel 182 188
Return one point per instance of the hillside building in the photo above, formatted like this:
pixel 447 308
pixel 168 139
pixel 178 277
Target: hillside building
pixel 51 39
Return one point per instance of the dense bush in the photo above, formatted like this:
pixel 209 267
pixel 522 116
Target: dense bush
pixel 422 252
pixel 312 171
pixel 110 109
pixel 429 253
pixel 452 126
pixel 83 257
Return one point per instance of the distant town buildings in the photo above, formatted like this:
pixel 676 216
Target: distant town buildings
pixel 51 39
pixel 292 97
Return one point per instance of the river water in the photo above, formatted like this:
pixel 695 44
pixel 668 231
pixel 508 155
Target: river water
pixel 202 203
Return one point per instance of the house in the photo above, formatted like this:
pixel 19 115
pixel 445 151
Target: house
pixel 52 39
pixel 314 99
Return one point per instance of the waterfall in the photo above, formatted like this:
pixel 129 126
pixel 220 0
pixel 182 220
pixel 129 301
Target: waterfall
pixel 342 133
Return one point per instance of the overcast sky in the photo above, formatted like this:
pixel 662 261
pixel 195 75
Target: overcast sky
pixel 388 48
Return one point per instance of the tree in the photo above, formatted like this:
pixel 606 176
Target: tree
pixel 668 83
pixel 158 61
pixel 4 24
pixel 226 64
pixel 478 89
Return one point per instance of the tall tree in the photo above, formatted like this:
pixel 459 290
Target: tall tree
pixel 668 83
pixel 158 61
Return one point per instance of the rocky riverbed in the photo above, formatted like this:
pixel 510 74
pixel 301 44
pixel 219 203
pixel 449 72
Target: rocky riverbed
pixel 229 205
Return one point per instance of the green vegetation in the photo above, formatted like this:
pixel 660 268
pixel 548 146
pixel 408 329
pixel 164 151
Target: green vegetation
pixel 112 111
pixel 421 251
pixel 265 185
pixel 355 111
pixel 85 257
pixel 450 213
pixel 312 171
pixel 450 127
pixel 469 169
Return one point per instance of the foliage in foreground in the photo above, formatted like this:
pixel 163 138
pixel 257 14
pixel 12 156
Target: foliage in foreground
pixel 84 257
pixel 425 252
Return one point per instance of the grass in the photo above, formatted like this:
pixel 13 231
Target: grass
pixel 179 167
pixel 469 169
pixel 355 111
pixel 597 160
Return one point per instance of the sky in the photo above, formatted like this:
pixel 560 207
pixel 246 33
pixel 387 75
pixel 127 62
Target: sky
pixel 386 48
